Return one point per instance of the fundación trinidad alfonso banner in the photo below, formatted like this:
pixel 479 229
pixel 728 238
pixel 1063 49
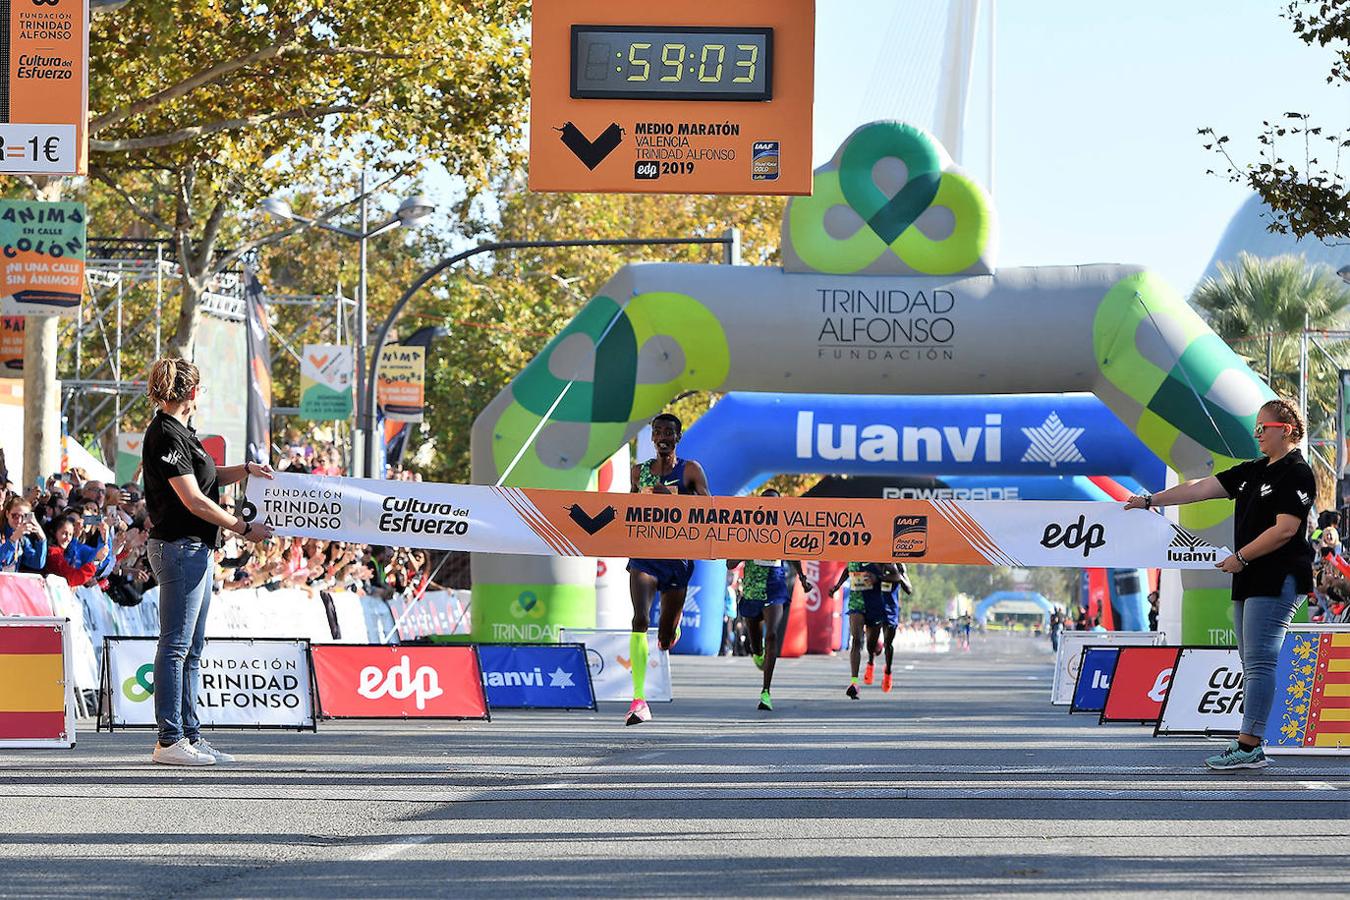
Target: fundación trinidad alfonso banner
pixel 358 681
pixel 400 387
pixel 326 376
pixel 483 518
pixel 42 254
pixel 44 87
pixel 35 680
pixel 245 683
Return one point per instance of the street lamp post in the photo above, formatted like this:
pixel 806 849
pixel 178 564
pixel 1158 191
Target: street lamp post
pixel 413 212
pixel 730 241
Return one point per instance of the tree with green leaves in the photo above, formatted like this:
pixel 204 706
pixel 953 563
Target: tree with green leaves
pixel 1260 307
pixel 502 312
pixel 1306 186
pixel 199 108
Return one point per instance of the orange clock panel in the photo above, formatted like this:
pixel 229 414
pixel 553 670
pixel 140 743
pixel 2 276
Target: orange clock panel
pixel 700 97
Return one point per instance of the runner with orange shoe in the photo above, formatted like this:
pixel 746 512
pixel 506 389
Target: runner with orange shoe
pixel 873 615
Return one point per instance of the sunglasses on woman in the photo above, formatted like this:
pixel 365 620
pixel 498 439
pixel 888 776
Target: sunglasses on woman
pixel 1262 426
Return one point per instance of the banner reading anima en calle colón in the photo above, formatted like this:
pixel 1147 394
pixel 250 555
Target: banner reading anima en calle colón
pixel 481 518
pixel 400 387
pixel 42 248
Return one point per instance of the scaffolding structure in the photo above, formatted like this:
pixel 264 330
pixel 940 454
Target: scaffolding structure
pixel 105 347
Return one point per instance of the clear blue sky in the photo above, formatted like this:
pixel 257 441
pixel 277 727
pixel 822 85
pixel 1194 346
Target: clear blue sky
pixel 1097 159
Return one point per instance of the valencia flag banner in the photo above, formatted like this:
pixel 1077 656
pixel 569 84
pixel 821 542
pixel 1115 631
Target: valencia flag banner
pixel 1312 692
pixel 482 518
pixel 33 684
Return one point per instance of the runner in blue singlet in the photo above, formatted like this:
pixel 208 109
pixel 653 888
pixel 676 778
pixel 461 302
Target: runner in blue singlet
pixel 873 611
pixel 668 578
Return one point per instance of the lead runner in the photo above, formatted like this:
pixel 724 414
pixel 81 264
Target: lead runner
pixel 666 474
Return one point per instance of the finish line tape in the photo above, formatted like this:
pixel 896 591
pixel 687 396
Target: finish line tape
pixel 486 519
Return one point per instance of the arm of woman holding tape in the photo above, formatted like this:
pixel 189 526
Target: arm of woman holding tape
pixel 203 507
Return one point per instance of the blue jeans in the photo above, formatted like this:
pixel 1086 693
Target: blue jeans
pixel 183 569
pixel 1260 624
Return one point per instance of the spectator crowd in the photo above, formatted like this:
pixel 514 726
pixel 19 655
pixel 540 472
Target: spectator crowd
pixel 87 531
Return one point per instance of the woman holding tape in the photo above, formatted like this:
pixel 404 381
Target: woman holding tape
pixel 1271 567
pixel 182 498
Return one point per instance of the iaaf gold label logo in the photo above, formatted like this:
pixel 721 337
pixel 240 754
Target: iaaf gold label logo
pixel 313 508
pixel 909 537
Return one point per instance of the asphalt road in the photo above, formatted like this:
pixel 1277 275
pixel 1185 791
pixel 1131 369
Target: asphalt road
pixel 964 780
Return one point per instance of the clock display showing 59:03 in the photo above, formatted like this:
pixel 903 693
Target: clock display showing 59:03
pixel 619 62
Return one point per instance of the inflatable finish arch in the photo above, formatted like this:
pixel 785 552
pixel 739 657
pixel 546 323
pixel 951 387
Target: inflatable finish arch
pixel 1017 599
pixel 745 438
pixel 888 287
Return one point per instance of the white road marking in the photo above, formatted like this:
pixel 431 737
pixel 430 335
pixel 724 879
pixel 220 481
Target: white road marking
pixel 394 848
pixel 1318 786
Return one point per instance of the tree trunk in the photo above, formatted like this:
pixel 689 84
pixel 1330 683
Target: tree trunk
pixel 41 399
pixel 41 390
pixel 189 317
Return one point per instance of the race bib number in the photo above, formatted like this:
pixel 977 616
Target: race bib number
pixel 860 581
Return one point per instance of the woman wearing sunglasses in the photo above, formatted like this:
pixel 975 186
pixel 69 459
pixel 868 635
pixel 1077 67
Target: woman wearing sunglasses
pixel 1272 566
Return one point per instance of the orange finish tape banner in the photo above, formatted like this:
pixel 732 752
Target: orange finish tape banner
pixel 480 518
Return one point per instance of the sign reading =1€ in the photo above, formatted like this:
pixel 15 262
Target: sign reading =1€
pixel 44 86
pixel 703 97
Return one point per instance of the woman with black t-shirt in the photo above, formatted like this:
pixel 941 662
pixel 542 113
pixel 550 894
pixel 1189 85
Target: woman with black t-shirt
pixel 182 499
pixel 1272 564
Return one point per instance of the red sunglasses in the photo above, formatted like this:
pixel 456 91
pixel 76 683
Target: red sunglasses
pixel 1262 426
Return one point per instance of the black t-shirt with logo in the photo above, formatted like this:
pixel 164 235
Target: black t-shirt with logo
pixel 1264 490
pixel 172 449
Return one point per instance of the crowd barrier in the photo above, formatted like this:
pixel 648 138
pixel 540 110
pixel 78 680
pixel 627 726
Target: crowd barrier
pixel 329 617
pixel 1198 690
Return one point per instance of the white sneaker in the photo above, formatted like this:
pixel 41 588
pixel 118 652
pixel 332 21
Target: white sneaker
pixel 181 753
pixel 201 746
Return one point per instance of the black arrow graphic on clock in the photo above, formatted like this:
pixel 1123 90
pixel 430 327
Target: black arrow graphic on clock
pixel 591 152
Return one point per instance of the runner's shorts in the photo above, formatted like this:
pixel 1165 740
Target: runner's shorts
pixel 753 609
pixel 876 608
pixel 670 574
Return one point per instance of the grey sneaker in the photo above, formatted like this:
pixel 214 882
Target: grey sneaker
pixel 1234 757
pixel 181 753
pixel 201 746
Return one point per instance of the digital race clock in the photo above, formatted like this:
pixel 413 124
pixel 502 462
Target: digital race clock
pixel 639 62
